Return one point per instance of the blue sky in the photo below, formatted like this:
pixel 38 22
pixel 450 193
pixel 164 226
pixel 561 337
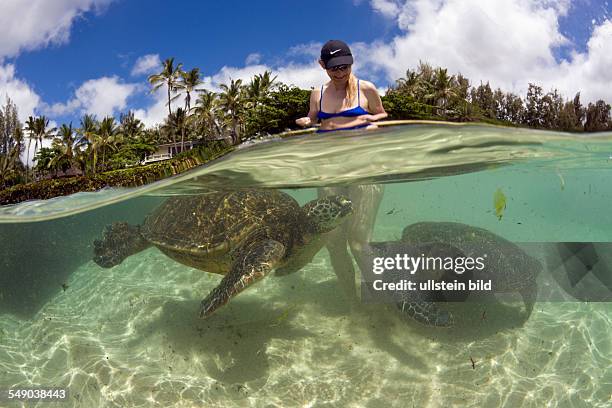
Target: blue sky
pixel 206 34
pixel 87 64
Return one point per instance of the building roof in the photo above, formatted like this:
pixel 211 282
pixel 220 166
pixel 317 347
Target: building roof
pixel 179 143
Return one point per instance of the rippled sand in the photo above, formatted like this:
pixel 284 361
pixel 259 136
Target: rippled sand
pixel 130 337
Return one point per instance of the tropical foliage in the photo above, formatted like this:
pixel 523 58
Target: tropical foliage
pixel 429 92
pixel 242 110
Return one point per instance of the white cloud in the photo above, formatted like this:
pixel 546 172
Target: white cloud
pixel 301 75
pixel 506 42
pixel 39 22
pixel 388 8
pixel 588 72
pixel 226 74
pixel 157 111
pixel 312 49
pixel 18 91
pixel 147 64
pixel 253 58
pixel 481 39
pixel 26 99
pixel 101 97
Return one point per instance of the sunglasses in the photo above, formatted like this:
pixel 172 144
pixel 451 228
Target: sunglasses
pixel 340 68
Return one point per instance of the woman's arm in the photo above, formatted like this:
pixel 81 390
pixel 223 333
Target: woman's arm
pixel 375 106
pixel 313 110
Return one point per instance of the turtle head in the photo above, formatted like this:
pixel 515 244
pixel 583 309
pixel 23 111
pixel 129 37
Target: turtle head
pixel 328 212
pixel 120 240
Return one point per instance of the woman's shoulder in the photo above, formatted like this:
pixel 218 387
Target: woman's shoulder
pixel 315 93
pixel 366 85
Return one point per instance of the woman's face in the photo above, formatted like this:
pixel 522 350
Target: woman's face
pixel 338 74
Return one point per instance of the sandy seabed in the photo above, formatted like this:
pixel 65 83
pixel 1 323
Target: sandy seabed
pixel 130 337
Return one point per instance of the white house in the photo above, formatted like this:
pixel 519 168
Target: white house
pixel 169 150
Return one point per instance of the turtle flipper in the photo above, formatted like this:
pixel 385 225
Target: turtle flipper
pixel 120 240
pixel 424 311
pixel 415 304
pixel 249 266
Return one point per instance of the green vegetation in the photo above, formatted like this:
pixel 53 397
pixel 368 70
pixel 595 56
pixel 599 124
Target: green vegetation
pixel 130 177
pixel 430 93
pixel 105 152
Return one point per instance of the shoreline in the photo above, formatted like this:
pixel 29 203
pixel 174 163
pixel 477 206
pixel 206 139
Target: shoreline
pixel 145 174
pixel 129 177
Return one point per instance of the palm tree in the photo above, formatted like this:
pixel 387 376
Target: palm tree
pixel 443 88
pixel 81 158
pixel 177 123
pixel 37 127
pixel 413 85
pixel 89 138
pixel 131 127
pixel 267 82
pixel 18 140
pixel 151 136
pixel 259 88
pixel 108 135
pixel 168 76
pixel 31 129
pixel 67 138
pixel 44 157
pixel 88 126
pixel 231 103
pixel 65 143
pixel 426 71
pixel 40 130
pixel 189 81
pixel 205 113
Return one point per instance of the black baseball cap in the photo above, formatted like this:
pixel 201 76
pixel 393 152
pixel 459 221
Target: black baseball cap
pixel 336 52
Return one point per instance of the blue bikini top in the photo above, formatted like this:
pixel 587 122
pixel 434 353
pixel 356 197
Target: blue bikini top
pixel 356 111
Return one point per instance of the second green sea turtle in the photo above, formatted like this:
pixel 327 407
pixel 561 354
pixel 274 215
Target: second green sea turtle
pixel 506 265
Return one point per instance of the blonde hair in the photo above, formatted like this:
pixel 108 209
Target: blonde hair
pixel 351 91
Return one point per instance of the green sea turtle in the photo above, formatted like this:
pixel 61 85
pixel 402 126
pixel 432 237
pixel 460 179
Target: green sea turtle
pixel 242 234
pixel 508 267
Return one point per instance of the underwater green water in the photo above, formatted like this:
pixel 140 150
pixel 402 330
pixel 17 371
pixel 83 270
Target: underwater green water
pixel 130 336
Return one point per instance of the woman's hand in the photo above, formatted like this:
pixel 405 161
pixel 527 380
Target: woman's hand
pixel 368 118
pixel 305 121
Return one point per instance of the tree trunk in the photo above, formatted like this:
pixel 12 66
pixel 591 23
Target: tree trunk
pixel 234 132
pixel 169 110
pixel 28 160
pixel 35 150
pixel 182 139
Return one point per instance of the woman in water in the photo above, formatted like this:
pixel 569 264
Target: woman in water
pixel 345 103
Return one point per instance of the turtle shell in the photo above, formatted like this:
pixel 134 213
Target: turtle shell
pixel 509 266
pixel 216 223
